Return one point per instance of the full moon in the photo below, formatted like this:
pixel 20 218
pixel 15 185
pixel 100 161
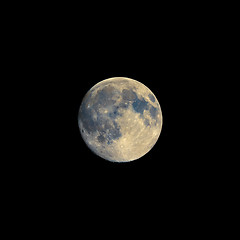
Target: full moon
pixel 120 119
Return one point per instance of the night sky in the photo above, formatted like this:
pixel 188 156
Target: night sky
pixel 69 54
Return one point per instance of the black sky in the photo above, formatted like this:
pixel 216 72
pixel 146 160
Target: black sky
pixel 60 53
pixel 63 54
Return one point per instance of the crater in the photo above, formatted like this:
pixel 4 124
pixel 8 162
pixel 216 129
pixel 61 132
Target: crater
pixel 104 97
pixel 101 138
pixel 113 133
pixel 128 95
pixel 153 111
pixel 146 122
pixel 86 117
pixel 151 97
pixel 114 113
pixel 109 130
pixel 124 104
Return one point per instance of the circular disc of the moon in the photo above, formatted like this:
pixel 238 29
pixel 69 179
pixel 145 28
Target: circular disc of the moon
pixel 120 119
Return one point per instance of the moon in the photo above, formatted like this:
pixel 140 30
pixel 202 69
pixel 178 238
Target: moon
pixel 120 119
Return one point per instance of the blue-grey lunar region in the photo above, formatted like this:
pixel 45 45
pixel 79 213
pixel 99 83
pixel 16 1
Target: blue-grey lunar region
pixel 120 119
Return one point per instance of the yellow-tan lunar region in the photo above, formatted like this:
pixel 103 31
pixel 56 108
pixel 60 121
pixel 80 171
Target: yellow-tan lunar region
pixel 120 119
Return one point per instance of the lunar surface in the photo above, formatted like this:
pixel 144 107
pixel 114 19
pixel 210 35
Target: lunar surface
pixel 120 119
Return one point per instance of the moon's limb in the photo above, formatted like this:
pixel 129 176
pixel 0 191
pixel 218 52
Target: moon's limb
pixel 120 119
